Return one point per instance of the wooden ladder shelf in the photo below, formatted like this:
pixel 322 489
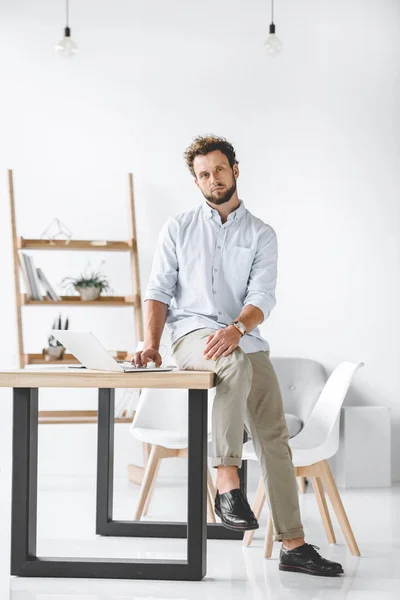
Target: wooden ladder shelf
pixel 132 301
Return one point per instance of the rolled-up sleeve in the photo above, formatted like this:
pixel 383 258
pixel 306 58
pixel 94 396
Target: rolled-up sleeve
pixel 164 271
pixel 263 275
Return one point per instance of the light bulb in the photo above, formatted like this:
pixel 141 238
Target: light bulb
pixel 66 47
pixel 273 45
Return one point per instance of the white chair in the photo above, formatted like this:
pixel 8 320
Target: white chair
pixel 161 420
pixel 161 423
pixel 317 441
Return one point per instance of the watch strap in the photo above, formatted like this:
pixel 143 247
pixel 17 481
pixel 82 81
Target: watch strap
pixel 238 327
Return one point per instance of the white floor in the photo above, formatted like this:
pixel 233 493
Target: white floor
pixel 66 526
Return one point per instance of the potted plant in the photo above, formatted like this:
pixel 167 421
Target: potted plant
pixel 90 284
pixel 55 350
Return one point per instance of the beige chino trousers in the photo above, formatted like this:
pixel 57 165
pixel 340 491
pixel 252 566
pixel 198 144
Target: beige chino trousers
pixel 248 397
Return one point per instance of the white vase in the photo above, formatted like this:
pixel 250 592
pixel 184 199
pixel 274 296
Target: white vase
pixel 88 293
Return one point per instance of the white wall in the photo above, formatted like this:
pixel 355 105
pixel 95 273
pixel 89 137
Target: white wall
pixel 317 136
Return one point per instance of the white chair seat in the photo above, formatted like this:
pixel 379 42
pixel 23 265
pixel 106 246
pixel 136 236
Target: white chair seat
pixel 300 456
pixel 178 439
pixel 167 438
pixel 294 424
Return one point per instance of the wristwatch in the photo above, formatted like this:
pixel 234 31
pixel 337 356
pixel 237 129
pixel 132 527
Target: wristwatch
pixel 239 325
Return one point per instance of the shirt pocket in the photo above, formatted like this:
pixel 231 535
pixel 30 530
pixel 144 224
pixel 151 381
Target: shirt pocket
pixel 241 262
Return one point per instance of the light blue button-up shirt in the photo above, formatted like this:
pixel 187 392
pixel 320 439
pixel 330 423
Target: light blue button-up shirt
pixel 207 272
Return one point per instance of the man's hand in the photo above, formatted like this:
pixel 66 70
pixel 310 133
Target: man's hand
pixel 222 342
pixel 145 356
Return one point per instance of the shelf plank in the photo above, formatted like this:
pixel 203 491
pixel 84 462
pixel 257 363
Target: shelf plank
pixel 69 359
pixel 38 359
pixel 100 245
pixel 78 417
pixel 76 301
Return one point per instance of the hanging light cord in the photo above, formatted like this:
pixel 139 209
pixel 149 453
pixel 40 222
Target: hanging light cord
pixel 272 11
pixel 67 10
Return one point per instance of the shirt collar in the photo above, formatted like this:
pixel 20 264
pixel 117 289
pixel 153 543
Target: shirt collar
pixel 235 215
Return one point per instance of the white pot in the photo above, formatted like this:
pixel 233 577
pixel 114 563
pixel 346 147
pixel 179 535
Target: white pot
pixel 88 293
pixel 53 353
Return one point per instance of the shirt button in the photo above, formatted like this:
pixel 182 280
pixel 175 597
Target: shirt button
pixel 219 247
pixel 215 269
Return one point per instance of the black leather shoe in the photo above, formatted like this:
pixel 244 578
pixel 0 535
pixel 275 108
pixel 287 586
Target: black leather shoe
pixel 234 511
pixel 305 559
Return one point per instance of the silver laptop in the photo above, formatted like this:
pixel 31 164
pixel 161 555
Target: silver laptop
pixel 91 353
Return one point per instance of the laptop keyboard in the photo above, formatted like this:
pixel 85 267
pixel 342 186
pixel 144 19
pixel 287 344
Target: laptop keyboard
pixel 152 365
pixel 126 363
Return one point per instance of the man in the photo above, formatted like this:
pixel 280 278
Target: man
pixel 213 282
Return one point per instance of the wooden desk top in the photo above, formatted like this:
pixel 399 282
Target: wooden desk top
pixel 63 377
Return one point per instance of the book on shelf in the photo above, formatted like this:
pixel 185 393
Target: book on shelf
pixel 25 276
pixel 32 277
pixel 47 287
pixel 35 280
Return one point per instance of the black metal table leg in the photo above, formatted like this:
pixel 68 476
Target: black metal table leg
pixel 105 524
pixel 197 483
pixel 243 468
pixel 105 458
pixel 24 481
pixel 25 562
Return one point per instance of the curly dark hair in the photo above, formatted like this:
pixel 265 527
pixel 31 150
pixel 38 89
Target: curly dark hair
pixel 202 145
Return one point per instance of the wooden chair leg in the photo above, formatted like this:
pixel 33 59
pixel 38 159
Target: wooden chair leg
pixel 269 540
pixel 257 507
pixel 323 509
pixel 147 481
pixel 301 483
pixel 162 452
pixel 210 485
pixel 210 508
pixel 151 491
pixel 334 497
pixel 211 492
pixel 146 453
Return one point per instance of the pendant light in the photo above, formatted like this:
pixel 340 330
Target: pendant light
pixel 66 47
pixel 272 44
